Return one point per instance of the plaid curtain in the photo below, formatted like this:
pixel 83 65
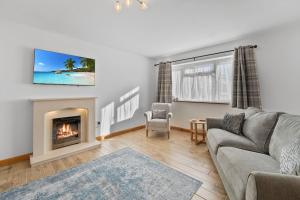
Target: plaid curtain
pixel 245 90
pixel 164 90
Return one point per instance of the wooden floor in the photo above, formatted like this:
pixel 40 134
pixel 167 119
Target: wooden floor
pixel 178 152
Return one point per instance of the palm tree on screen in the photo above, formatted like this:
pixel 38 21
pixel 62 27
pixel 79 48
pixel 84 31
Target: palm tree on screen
pixel 69 64
pixel 88 63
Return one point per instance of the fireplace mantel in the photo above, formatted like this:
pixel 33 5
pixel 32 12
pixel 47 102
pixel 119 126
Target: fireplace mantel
pixel 45 110
pixel 56 99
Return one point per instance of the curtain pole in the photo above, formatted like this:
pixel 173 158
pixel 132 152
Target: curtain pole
pixel 194 58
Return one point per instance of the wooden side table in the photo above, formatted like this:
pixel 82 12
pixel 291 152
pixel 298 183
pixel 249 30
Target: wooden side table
pixel 195 125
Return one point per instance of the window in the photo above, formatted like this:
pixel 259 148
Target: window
pixel 203 81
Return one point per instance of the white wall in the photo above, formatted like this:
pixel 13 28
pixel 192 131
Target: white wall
pixel 117 72
pixel 278 60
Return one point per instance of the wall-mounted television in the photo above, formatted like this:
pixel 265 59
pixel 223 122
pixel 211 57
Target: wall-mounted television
pixel 54 68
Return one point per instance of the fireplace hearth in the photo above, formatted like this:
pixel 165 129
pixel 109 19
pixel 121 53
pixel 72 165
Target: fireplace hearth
pixel 66 131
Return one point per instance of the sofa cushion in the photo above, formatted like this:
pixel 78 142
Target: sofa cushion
pixel 219 137
pixel 233 123
pixel 258 126
pixel 286 131
pixel 251 111
pixel 290 158
pixel 237 164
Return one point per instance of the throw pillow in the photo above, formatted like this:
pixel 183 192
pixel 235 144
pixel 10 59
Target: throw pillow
pixel 233 123
pixel 258 127
pixel 159 114
pixel 290 159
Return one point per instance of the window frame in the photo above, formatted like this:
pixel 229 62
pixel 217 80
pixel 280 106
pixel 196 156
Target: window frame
pixel 176 100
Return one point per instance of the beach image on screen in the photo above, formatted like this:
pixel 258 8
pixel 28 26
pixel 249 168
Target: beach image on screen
pixel 62 69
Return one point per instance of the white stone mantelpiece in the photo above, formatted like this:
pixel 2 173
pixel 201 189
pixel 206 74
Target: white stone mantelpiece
pixel 45 110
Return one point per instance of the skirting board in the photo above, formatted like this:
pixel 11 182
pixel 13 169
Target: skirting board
pixel 117 133
pixel 180 129
pixel 114 134
pixel 16 159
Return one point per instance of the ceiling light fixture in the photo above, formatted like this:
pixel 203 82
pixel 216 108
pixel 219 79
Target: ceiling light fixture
pixel 142 3
pixel 128 2
pixel 118 6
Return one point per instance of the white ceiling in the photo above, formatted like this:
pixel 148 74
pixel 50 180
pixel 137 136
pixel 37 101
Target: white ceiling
pixel 167 27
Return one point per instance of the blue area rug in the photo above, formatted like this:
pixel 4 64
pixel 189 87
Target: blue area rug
pixel 122 175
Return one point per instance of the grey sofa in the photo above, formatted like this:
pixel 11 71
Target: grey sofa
pixel 250 168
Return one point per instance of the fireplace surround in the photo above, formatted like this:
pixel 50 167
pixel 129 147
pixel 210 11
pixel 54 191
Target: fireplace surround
pixel 73 120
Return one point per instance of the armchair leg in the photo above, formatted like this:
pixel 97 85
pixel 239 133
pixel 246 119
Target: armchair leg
pixel 168 134
pixel 146 132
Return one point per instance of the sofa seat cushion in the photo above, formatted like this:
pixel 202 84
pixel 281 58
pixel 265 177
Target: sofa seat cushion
pixel 237 164
pixel 218 138
pixel 158 123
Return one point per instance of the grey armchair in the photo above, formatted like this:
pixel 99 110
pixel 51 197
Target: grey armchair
pixel 159 124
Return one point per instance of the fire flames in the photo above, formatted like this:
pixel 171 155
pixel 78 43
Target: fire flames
pixel 66 131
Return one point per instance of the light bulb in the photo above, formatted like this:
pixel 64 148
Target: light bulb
pixel 143 5
pixel 128 2
pixel 118 6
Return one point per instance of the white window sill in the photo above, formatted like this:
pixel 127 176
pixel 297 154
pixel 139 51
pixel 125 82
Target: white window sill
pixel 204 102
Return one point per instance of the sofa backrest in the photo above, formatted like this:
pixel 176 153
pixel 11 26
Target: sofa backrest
pixel 258 126
pixel 286 130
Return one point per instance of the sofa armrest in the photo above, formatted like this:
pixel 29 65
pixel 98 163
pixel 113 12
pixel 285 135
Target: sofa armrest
pixel 214 123
pixel 272 186
pixel 148 115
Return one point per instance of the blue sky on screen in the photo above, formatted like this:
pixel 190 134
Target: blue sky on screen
pixel 46 61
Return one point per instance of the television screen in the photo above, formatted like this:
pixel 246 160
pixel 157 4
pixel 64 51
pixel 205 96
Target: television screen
pixel 62 69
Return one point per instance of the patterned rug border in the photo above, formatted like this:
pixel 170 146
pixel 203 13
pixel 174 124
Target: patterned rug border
pixel 77 167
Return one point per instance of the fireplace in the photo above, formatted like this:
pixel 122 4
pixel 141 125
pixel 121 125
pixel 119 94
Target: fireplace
pixel 66 131
pixel 47 144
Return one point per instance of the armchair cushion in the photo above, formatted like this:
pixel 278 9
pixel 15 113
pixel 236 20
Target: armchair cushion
pixel 162 106
pixel 159 114
pixel 158 123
